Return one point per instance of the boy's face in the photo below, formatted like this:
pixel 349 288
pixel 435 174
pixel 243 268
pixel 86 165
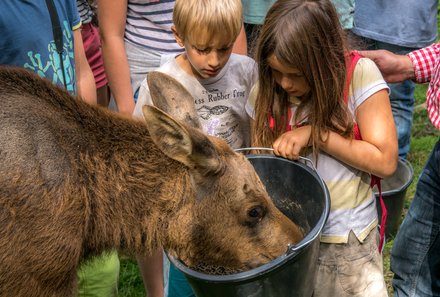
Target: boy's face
pixel 290 79
pixel 205 60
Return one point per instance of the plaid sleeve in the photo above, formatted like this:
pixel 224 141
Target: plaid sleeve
pixel 424 61
pixel 427 69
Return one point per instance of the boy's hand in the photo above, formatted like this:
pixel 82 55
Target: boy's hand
pixel 394 68
pixel 290 144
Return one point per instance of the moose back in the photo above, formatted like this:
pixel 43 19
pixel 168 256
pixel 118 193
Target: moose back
pixel 77 180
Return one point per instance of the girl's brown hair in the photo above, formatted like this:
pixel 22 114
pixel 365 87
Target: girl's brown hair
pixel 306 35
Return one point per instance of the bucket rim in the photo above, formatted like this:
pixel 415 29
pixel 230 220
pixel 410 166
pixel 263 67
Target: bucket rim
pixel 280 260
pixel 403 187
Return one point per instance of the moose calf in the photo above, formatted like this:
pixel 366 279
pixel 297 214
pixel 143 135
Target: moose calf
pixel 77 180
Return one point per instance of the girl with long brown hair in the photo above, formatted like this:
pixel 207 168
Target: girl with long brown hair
pixel 313 96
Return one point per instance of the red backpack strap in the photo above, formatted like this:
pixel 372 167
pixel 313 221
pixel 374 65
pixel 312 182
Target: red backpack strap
pixel 271 120
pixel 351 60
pixel 375 180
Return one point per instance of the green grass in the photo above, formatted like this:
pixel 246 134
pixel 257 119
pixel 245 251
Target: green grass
pixel 130 281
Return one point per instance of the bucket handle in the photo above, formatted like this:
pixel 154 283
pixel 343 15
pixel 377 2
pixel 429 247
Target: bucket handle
pixel 304 159
pixel 292 248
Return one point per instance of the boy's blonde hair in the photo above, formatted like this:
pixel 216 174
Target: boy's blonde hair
pixel 216 22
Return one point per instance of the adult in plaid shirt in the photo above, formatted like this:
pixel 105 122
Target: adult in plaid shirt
pixel 415 256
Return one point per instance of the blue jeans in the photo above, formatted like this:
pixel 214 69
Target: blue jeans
pixel 401 97
pixel 415 256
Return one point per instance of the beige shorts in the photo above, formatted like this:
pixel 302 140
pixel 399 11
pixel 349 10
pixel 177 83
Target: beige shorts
pixel 351 269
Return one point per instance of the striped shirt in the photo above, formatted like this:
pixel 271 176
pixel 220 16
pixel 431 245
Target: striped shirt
pixel 427 69
pixel 149 25
pixel 85 11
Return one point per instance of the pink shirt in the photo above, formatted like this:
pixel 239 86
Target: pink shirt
pixel 427 69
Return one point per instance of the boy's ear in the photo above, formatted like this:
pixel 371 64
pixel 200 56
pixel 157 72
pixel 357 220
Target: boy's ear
pixel 178 38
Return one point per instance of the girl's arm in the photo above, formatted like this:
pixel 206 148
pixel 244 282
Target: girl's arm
pixel 377 152
pixel 112 15
pixel 85 81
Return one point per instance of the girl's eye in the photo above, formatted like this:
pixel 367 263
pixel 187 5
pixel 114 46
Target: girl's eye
pixel 296 75
pixel 275 72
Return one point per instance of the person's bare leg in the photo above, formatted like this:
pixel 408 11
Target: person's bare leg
pixel 151 268
pixel 103 96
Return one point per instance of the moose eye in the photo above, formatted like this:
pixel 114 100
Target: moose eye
pixel 254 216
pixel 255 212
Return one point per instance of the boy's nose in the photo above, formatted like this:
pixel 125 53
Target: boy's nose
pixel 213 59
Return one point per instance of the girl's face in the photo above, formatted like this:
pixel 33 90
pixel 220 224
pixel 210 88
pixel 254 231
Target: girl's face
pixel 290 79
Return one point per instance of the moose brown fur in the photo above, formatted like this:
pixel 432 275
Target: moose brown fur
pixel 78 180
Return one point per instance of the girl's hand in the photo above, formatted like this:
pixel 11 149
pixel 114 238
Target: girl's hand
pixel 290 144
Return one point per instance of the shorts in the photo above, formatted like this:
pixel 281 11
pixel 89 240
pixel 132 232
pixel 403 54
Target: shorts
pixel 351 269
pixel 92 47
pixel 99 276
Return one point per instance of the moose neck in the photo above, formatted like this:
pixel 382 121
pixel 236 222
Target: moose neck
pixel 134 189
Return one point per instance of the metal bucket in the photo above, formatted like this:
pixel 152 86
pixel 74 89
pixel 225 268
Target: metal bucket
pixel 301 195
pixel 393 193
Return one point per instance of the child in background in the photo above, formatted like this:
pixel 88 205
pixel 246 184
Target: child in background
pixel 218 80
pixel 299 108
pixel 99 277
pixel 92 48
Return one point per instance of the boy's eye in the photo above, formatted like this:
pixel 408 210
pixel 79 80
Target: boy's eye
pixel 202 50
pixel 225 49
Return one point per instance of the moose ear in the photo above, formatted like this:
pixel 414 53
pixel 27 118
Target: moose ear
pixel 172 97
pixel 182 143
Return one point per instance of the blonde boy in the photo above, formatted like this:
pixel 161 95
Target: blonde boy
pixel 218 80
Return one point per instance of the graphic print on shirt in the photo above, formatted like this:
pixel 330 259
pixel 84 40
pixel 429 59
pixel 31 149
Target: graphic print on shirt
pixel 38 64
pixel 218 114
